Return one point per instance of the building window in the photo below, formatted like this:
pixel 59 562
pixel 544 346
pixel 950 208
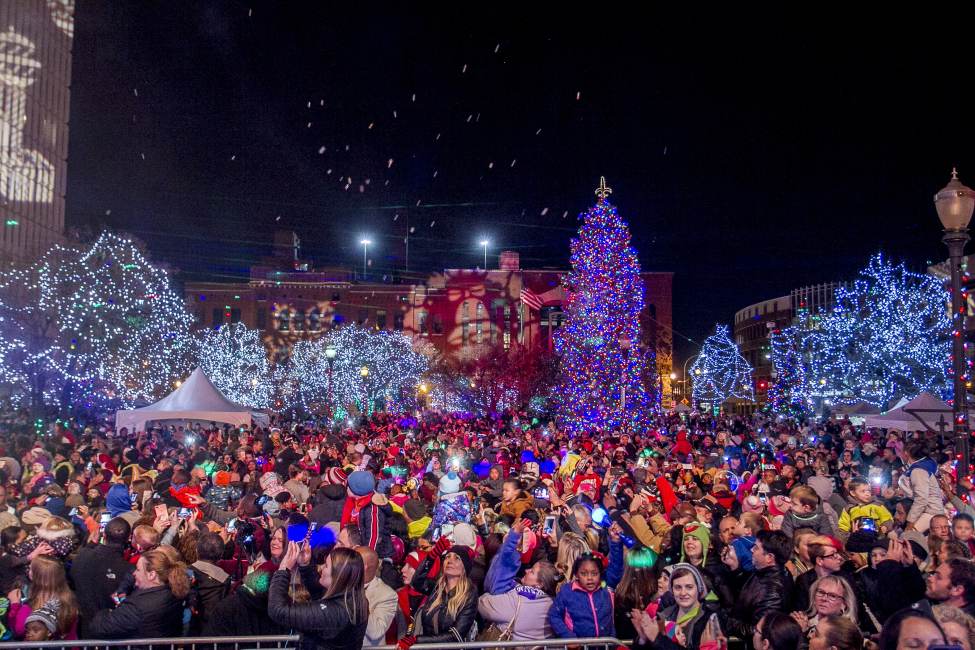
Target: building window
pixel 234 315
pixel 380 319
pixel 437 324
pixel 421 322
pixel 314 320
pixel 398 322
pixel 284 321
pixel 217 318
pixel 261 318
pixel 363 316
pixel 298 322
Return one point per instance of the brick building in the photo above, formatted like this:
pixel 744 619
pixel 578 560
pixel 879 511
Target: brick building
pixel 288 301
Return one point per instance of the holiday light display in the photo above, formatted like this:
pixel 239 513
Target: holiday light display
pixel 888 335
pixel 371 369
pixel 93 327
pixel 720 372
pixel 234 358
pixel 605 372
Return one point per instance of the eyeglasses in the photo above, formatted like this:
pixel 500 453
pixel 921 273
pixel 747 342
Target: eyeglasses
pixel 829 596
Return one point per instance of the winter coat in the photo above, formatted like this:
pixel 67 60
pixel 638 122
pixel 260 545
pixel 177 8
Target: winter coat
pixel 924 488
pixel 147 613
pixel 518 506
pixel 96 573
pixel 244 613
pixel 211 585
pixel 577 613
pixel 17 620
pixel 437 625
pixel 818 521
pixel 693 629
pixel 382 611
pixel 323 623
pixel 766 590
pixel 62 541
pixel 330 501
pixel 372 525
pixel 506 599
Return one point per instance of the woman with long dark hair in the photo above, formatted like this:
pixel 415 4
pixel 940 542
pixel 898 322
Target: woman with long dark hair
pixel 337 615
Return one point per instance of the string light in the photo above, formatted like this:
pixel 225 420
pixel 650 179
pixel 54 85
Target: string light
pixel 234 358
pixel 724 373
pixel 604 298
pixel 93 327
pixel 887 336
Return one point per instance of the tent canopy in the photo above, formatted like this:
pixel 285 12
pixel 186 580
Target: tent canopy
pixel 196 399
pixel 923 413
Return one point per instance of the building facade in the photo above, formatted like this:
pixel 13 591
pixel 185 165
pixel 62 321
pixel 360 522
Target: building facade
pixel 455 310
pixel 35 78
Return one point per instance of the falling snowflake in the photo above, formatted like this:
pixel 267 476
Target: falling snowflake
pixel 544 211
pixel 394 115
pixel 250 12
pixel 389 163
pixel 497 47
pixel 277 218
pixel 412 229
pixel 418 203
pixel 321 149
pixel 143 156
pixel 362 188
pixel 346 147
pixel 470 117
pixel 433 223
pixel 386 183
pixel 578 95
pixel 565 214
pixel 136 91
pixel 233 157
pixel 395 217
pixel 372 124
pixel 309 104
pixel 368 181
pixel 435 172
pixel 108 212
pixel 321 102
pixel 490 165
pixel 413 98
pixel 328 173
pixel 538 132
pixel 464 69
pixel 513 162
pixel 438 137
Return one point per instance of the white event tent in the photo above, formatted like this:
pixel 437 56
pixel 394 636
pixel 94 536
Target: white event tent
pixel 196 399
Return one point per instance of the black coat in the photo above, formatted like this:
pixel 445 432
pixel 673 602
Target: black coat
pixel 96 573
pixel 207 592
pixel 436 625
pixel 146 613
pixel 766 590
pixel 242 614
pixel 323 623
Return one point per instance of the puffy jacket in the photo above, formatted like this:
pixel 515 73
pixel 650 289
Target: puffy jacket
pixel 766 590
pixel 577 613
pixel 507 600
pixel 323 623
pixel 96 573
pixel 924 488
pixel 436 625
pixel 819 521
pixel 518 506
pixel 146 613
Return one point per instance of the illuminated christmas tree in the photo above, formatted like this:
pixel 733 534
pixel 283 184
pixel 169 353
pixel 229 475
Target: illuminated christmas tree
pixel 720 372
pixel 235 360
pixel 94 326
pixel 605 373
pixel 370 369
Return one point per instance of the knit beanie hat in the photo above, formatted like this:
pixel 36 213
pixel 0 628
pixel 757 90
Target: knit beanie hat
pixel 44 460
pixel 464 554
pixel 702 589
pixel 450 485
pixel 415 509
pixel 701 533
pixel 46 614
pixel 221 479
pixel 464 535
pixel 335 476
pixel 414 559
pixel 361 483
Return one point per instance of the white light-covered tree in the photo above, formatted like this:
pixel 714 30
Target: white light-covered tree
pixel 95 326
pixel 235 359
pixel 720 372
pixel 371 369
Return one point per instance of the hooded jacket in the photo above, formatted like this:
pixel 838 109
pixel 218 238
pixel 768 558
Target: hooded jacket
pixel 923 477
pixel 211 585
pixel 147 613
pixel 97 572
pixel 576 613
pixel 517 507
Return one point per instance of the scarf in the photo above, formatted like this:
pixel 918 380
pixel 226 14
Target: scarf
pixel 353 506
pixel 688 617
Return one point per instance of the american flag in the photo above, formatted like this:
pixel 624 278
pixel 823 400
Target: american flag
pixel 531 299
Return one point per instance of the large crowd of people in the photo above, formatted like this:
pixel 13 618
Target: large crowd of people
pixel 399 529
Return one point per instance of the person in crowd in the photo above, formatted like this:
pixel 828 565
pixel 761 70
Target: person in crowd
pixel 959 627
pixel 337 615
pixel 922 484
pixel 450 608
pixel 47 587
pixel 684 621
pixel 830 595
pixel 767 589
pixel 583 608
pixel 953 583
pixel 911 628
pixel 835 632
pixel 808 511
pixel 777 631
pixel 211 584
pixel 155 608
pixel 99 570
pixel 244 612
pixel 826 560
pixel 380 597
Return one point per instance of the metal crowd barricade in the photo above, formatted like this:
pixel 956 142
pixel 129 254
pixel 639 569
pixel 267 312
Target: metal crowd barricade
pixel 182 643
pixel 286 641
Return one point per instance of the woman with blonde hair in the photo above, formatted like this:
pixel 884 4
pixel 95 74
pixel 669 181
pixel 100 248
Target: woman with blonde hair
pixel 571 546
pixel 451 605
pixel 155 608
pixel 48 582
pixel 829 596
pixel 959 627
pixel 337 614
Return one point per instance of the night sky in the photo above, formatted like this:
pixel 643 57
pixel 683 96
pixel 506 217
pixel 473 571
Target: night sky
pixel 746 176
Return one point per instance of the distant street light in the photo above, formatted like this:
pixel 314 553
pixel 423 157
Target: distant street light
pixel 365 259
pixel 485 243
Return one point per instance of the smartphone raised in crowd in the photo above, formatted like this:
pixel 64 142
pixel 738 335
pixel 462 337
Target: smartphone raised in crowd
pixel 548 527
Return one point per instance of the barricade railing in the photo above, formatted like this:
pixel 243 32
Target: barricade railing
pixel 180 643
pixel 291 641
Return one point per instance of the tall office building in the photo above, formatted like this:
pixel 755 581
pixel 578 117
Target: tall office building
pixel 35 77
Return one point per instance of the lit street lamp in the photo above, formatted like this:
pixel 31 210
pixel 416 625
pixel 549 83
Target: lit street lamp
pixel 330 353
pixel 955 203
pixel 625 344
pixel 484 243
pixel 365 259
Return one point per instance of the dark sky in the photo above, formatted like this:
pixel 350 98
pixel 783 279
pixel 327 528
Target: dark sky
pixel 745 175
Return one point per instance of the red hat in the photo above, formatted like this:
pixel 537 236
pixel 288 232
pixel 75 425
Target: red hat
pixel 335 476
pixel 415 558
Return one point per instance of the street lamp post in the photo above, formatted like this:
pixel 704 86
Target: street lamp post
pixel 955 203
pixel 365 255
pixel 484 244
pixel 330 353
pixel 364 373
pixel 625 344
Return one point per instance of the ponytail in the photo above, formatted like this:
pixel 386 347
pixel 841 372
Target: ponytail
pixel 169 566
